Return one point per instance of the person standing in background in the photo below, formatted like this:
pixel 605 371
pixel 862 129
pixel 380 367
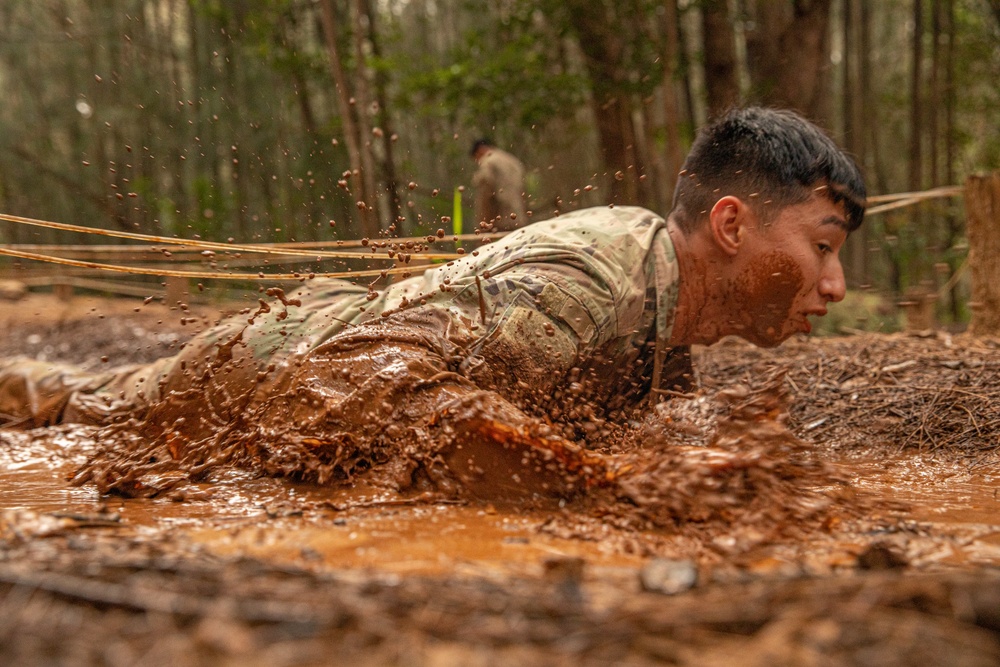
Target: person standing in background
pixel 499 182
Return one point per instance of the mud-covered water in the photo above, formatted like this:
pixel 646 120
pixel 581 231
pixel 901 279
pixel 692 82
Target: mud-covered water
pixel 258 570
pixel 929 513
pixel 275 519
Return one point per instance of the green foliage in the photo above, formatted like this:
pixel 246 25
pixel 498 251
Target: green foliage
pixel 516 83
pixel 978 56
pixel 182 83
pixel 859 311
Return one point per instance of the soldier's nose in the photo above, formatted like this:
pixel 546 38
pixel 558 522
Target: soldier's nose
pixel 832 285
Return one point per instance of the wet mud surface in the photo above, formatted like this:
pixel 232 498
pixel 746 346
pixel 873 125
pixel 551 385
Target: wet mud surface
pixel 853 521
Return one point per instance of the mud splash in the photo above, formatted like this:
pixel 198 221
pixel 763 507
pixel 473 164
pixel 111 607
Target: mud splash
pixel 716 475
pixel 730 518
pixel 748 470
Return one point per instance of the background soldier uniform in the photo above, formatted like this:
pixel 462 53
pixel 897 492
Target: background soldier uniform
pixel 499 183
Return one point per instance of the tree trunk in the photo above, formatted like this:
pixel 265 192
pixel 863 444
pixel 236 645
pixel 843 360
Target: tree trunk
pixel 787 54
pixel 722 87
pixel 616 130
pixel 234 156
pixel 198 83
pixel 369 223
pixel 673 150
pixel 684 62
pixel 877 170
pixel 954 224
pixel 384 120
pixel 363 108
pixel 602 46
pixel 938 235
pixel 916 115
pixel 919 216
pixel 982 206
pixel 995 8
pixel 933 133
pixel 854 121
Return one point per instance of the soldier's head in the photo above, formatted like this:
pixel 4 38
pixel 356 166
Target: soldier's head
pixel 480 147
pixel 763 206
pixel 770 159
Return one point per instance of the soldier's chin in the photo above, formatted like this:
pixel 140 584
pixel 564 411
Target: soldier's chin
pixel 768 338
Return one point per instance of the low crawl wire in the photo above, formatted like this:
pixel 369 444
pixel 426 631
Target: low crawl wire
pixel 115 268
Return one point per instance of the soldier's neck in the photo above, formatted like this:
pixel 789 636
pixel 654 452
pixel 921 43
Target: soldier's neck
pixel 702 316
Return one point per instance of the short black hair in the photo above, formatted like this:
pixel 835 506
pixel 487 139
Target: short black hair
pixel 759 155
pixel 479 143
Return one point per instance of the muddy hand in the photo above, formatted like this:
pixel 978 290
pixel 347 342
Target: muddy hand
pixel 497 453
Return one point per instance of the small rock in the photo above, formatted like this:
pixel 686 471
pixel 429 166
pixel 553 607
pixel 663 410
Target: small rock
pixel 663 575
pixel 881 556
pixel 310 554
pixel 564 568
pixel 566 575
pixel 12 290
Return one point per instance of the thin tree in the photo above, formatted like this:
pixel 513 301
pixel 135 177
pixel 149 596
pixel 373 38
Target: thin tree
pixel 853 99
pixel 722 87
pixel 673 149
pixel 345 103
pixel 363 108
pixel 953 221
pixel 916 98
pixel 384 119
pixel 788 55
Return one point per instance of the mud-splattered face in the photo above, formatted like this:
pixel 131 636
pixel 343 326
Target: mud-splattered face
pixel 790 270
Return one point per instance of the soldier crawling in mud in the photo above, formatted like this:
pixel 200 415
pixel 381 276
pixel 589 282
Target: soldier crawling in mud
pixel 489 370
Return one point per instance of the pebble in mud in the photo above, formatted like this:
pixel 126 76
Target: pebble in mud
pixel 668 576
pixel 564 568
pixel 566 575
pixel 881 556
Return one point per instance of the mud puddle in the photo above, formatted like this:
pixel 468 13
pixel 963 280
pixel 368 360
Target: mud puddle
pixel 939 497
pixel 237 514
pixel 940 513
pixel 257 570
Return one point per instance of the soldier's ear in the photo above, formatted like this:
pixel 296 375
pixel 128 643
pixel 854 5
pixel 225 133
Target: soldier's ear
pixel 727 221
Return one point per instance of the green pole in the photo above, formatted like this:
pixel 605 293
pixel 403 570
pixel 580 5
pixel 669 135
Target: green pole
pixel 456 214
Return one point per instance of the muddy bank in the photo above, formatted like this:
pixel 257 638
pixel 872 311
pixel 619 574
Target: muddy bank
pixel 936 393
pixel 97 332
pixel 158 602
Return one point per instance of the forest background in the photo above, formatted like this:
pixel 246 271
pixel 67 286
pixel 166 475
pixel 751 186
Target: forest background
pixel 314 120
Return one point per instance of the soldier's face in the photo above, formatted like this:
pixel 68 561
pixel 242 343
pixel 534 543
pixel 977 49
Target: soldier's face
pixel 790 270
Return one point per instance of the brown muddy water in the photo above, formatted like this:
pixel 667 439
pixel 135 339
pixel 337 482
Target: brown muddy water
pixel 931 513
pixel 280 520
pixel 263 571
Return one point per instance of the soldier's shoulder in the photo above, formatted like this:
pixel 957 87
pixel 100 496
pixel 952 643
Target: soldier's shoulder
pixel 608 220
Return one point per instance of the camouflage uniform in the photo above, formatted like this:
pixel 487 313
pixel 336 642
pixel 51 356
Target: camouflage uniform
pixel 550 317
pixel 499 182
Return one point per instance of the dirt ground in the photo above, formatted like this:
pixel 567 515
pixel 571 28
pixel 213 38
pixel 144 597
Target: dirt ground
pixel 893 561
